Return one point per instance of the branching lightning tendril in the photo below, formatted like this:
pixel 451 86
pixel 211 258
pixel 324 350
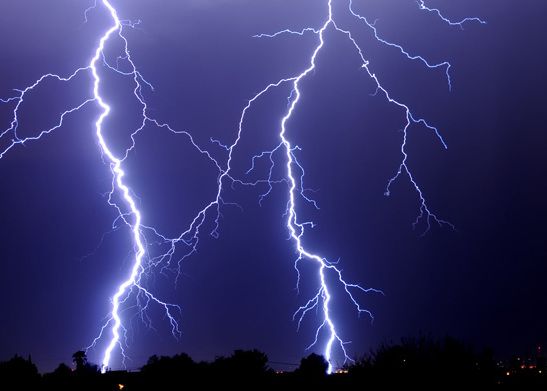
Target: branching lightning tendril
pixel 128 211
pixel 322 298
pixel 124 201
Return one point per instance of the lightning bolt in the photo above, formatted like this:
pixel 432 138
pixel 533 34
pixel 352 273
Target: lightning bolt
pixel 123 200
pixel 436 11
pixel 120 196
pixel 295 172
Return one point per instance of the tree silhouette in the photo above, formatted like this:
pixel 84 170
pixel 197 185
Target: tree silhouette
pixel 251 362
pixel 60 379
pixel 83 367
pixel 426 361
pixel 162 372
pixel 314 365
pixel 79 359
pixel 19 374
pixel 168 366
pixel 62 370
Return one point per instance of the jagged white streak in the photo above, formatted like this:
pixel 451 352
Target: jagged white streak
pixel 128 212
pixel 323 297
pixel 436 11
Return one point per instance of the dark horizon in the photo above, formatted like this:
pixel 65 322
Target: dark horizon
pixel 483 283
pixel 503 362
pixel 412 362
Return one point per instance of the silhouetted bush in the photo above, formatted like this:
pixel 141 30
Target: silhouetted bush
pixel 19 374
pixel 313 366
pixel 249 363
pixel 424 361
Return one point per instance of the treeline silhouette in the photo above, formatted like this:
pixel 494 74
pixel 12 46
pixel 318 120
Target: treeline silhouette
pixel 414 362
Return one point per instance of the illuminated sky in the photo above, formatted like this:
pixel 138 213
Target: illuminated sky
pixel 482 283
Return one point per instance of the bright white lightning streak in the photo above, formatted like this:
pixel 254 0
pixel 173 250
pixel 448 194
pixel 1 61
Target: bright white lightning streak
pixel 296 229
pixel 116 166
pixel 133 281
pixel 119 174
